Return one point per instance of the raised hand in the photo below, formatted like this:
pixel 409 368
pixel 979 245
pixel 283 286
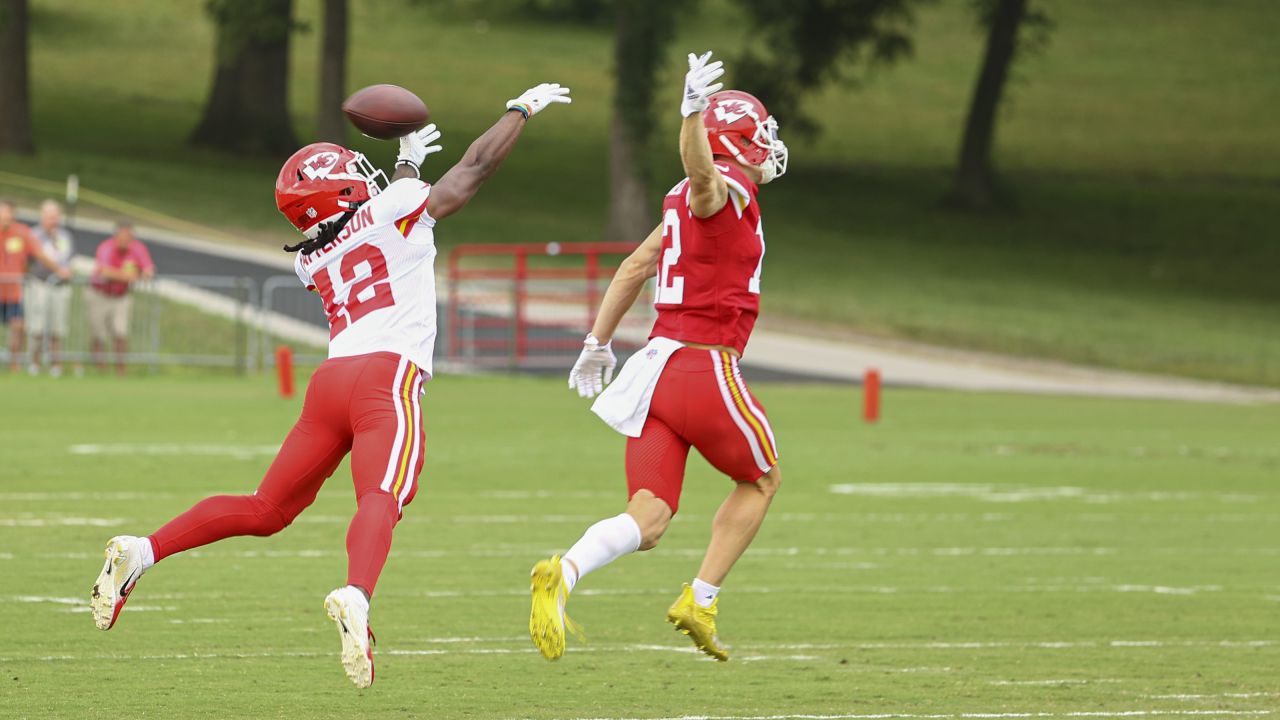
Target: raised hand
pixel 416 146
pixel 539 97
pixel 697 83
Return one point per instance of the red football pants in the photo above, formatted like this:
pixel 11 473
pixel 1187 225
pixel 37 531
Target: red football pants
pixel 700 401
pixel 366 405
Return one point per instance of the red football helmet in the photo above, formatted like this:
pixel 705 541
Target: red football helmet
pixel 322 181
pixel 738 125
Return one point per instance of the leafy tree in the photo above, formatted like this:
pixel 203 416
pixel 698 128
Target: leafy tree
pixel 642 31
pixel 975 181
pixel 331 125
pixel 15 89
pixel 813 42
pixel 247 110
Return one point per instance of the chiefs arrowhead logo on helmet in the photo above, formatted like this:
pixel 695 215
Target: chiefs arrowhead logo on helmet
pixel 739 126
pixel 318 166
pixel 322 181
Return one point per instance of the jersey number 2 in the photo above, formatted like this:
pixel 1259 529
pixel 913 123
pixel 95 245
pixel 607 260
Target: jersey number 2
pixel 366 295
pixel 671 287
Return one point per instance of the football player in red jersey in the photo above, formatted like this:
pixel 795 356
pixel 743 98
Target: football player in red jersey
pixel 369 252
pixel 684 390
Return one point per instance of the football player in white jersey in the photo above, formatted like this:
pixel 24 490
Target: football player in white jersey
pixel 369 253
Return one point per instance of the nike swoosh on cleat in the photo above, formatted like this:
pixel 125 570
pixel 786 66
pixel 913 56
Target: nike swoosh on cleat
pixel 126 588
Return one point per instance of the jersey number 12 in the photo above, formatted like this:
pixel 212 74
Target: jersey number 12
pixel 356 306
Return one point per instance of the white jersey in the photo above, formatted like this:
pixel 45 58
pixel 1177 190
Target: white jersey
pixel 377 278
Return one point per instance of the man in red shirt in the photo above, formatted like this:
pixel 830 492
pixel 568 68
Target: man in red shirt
pixel 119 261
pixel 17 247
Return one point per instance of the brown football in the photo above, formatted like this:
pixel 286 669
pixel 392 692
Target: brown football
pixel 385 112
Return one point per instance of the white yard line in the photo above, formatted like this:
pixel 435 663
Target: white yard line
pixel 1025 493
pixel 1065 681
pixel 243 452
pixel 60 497
pixel 1212 696
pixel 60 522
pixel 960 715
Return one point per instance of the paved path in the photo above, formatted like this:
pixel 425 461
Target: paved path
pixel 915 364
pixel 778 355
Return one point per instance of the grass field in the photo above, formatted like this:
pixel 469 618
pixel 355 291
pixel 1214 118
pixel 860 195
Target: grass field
pixel 1140 145
pixel 972 553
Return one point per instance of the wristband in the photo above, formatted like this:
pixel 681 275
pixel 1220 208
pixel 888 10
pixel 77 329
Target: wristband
pixel 520 108
pixel 417 171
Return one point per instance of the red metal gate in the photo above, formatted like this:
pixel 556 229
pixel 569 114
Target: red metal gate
pixel 530 304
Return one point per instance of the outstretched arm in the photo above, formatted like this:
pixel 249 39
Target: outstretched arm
pixel 457 186
pixel 594 368
pixel 707 189
pixel 625 287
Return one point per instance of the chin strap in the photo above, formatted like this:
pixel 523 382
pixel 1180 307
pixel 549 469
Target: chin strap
pixel 327 234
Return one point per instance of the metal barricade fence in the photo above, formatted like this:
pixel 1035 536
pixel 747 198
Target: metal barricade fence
pixel 528 305
pixel 294 316
pixel 173 320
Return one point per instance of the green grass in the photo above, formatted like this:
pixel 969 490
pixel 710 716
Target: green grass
pixel 1140 146
pixel 1001 554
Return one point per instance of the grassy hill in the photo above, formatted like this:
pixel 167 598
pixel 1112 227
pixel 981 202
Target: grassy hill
pixel 1141 146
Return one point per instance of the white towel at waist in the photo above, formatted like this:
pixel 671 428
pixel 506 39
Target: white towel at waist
pixel 624 405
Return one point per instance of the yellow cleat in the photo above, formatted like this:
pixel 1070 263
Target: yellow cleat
pixel 547 621
pixel 698 622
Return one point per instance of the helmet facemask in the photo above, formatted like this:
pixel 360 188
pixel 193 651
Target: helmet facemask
pixel 372 176
pixel 775 163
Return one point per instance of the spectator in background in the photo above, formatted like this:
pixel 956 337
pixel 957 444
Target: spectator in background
pixel 119 262
pixel 48 297
pixel 17 247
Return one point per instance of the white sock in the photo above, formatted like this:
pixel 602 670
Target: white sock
pixel 704 593
pixel 600 545
pixel 148 553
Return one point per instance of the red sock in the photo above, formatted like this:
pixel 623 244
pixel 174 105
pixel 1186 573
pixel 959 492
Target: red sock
pixel 369 538
pixel 215 518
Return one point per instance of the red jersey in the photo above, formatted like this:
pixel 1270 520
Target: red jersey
pixel 709 270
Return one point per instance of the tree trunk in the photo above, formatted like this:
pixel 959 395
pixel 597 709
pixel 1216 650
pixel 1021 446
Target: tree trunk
pixel 248 108
pixel 629 218
pixel 331 124
pixel 15 89
pixel 975 177
pixel 640 35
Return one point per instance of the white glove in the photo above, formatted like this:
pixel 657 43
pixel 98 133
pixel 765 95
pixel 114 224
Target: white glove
pixel 697 83
pixel 416 146
pixel 536 98
pixel 585 377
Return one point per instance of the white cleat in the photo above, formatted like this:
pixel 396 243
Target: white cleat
pixel 119 575
pixel 349 610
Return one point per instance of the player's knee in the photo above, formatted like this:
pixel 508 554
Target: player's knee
pixel 650 536
pixel 652 515
pixel 769 483
pixel 269 518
